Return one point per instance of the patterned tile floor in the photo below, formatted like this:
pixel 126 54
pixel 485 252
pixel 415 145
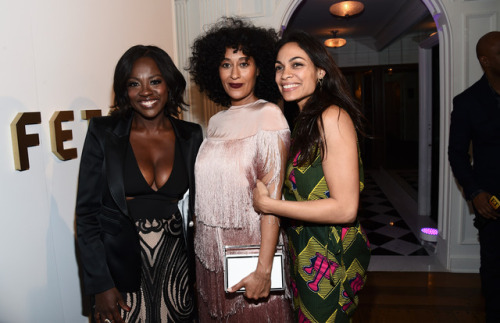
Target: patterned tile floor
pixel 386 229
pixel 410 177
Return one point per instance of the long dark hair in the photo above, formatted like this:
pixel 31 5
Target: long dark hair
pixel 308 137
pixel 229 32
pixel 176 83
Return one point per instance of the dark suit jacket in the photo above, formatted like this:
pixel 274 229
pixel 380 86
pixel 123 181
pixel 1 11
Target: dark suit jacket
pixel 107 238
pixel 476 118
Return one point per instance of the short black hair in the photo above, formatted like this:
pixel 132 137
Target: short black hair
pixel 209 49
pixel 176 83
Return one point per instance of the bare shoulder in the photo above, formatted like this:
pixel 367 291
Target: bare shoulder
pixel 337 121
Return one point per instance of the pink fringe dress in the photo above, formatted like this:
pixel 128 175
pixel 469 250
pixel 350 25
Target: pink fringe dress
pixel 243 143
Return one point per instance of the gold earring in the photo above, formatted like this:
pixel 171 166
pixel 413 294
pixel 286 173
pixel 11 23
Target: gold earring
pixel 320 83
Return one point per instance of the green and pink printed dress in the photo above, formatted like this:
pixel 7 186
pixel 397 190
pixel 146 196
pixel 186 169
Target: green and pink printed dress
pixel 328 263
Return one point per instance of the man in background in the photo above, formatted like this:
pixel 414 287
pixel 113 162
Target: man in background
pixel 476 119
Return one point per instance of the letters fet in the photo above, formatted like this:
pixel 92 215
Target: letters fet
pixel 21 141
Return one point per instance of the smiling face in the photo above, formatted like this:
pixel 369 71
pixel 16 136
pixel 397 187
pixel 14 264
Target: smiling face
pixel 296 75
pixel 147 89
pixel 238 74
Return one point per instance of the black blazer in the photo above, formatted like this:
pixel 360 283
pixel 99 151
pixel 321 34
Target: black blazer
pixel 476 118
pixel 107 238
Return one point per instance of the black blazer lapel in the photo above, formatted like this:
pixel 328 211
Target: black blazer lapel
pixel 116 147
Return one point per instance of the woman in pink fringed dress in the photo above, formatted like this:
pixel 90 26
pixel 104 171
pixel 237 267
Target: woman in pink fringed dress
pixel 233 63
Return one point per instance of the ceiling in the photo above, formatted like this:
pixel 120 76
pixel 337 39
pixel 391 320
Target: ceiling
pixel 381 23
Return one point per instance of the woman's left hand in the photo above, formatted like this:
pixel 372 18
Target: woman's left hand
pixel 257 285
pixel 260 196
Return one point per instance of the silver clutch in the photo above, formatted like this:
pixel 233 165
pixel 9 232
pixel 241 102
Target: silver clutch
pixel 240 261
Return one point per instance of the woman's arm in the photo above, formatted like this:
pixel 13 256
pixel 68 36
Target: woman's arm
pixel 340 166
pixel 258 284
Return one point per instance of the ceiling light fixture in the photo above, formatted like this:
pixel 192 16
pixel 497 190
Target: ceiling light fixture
pixel 346 9
pixel 335 41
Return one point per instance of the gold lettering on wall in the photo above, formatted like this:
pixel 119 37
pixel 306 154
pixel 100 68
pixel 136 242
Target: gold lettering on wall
pixel 58 136
pixel 87 114
pixel 21 141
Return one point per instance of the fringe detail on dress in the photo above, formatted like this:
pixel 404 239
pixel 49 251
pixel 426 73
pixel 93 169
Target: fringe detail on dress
pixel 234 215
pixel 236 180
pixel 226 170
pixel 271 146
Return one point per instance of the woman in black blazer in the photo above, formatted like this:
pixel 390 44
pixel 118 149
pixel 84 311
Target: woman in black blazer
pixel 136 164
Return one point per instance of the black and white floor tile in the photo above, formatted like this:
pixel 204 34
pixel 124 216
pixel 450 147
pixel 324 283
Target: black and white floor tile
pixel 389 214
pixel 386 229
pixel 410 177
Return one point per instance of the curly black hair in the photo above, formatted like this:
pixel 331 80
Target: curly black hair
pixel 176 83
pixel 209 49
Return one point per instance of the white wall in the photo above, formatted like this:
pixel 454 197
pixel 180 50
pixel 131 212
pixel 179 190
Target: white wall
pixel 56 55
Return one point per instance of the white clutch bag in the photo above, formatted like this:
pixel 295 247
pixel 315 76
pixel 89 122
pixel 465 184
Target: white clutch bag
pixel 240 261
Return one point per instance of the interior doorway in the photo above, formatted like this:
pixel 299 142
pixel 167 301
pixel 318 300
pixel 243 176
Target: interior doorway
pixel 390 97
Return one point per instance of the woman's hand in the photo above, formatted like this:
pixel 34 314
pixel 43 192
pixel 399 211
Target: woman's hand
pixel 257 285
pixel 107 306
pixel 260 197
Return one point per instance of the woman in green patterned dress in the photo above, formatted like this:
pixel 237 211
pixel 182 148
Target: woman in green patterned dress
pixel 329 251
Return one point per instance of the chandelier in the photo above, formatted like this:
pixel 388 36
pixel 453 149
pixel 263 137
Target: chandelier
pixel 346 9
pixel 335 41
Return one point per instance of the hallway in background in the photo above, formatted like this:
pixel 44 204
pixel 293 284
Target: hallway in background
pixel 405 282
pixel 388 214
